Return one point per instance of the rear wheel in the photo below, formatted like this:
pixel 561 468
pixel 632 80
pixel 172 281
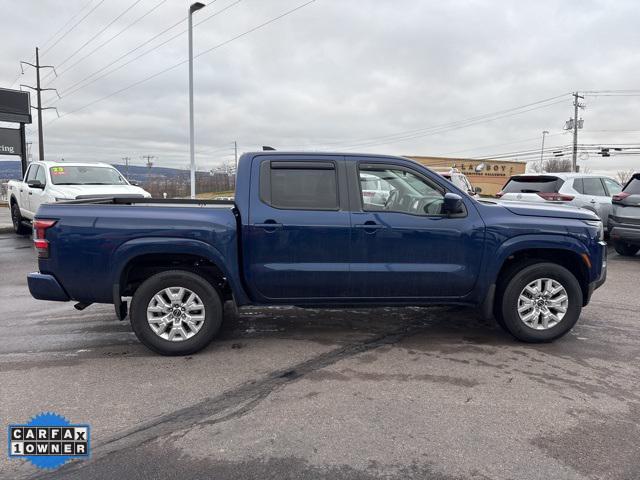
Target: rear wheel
pixel 625 249
pixel 176 313
pixel 18 222
pixel 540 303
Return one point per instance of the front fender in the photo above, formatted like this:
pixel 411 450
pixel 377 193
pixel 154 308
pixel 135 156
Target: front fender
pixel 173 245
pixel 531 242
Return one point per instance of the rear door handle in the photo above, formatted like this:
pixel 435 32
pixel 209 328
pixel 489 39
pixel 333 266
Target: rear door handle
pixel 268 225
pixel 369 227
pixel 30 193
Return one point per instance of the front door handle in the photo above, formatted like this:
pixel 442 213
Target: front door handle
pixel 268 225
pixel 30 193
pixel 369 226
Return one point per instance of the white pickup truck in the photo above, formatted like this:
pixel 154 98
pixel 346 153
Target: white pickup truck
pixel 46 182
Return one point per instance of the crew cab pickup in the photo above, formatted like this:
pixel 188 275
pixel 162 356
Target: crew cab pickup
pixel 46 182
pixel 301 232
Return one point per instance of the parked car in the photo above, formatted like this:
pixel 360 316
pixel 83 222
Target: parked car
pixel 46 182
pixel 592 192
pixel 460 180
pixel 301 233
pixel 624 222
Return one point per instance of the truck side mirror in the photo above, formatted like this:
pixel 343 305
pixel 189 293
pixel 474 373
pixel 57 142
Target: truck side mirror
pixel 35 184
pixel 477 189
pixel 452 204
pixel 134 183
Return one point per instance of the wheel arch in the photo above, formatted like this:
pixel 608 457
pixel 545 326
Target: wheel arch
pixel 570 256
pixel 138 259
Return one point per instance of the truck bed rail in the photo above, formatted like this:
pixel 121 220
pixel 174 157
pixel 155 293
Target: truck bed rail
pixel 138 200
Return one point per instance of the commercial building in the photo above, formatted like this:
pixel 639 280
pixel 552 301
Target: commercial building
pixel 489 179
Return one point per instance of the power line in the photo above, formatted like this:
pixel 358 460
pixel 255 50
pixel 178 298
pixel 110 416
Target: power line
pixel 73 27
pixel 100 32
pixel 119 67
pixel 226 42
pixel 409 134
pixel 73 17
pixel 110 39
pixel 530 139
pixel 449 127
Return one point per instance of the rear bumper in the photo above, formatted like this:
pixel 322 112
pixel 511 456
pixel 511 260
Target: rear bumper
pixel 625 232
pixel 46 287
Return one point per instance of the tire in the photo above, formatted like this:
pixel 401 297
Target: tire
pixel 534 330
pixel 209 300
pixel 18 222
pixel 625 249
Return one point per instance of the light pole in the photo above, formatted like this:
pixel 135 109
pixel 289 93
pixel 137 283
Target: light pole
pixel 544 133
pixel 193 8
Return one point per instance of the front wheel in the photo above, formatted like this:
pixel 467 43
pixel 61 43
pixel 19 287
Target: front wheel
pixel 18 223
pixel 176 313
pixel 625 249
pixel 541 302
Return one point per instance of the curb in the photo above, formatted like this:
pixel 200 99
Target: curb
pixel 6 229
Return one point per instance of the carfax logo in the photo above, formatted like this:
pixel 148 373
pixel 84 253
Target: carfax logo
pixel 48 440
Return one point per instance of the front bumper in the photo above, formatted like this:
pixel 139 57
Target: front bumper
pixel 601 279
pixel 46 287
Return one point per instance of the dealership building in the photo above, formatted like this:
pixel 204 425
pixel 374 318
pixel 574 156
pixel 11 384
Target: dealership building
pixel 489 179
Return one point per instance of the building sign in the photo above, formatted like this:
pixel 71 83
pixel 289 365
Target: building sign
pixel 15 106
pixel 10 141
pixel 497 169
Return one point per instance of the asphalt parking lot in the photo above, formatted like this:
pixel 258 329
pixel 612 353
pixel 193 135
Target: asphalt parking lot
pixel 338 394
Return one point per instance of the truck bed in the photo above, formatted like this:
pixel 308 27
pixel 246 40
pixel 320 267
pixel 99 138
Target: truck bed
pixel 93 238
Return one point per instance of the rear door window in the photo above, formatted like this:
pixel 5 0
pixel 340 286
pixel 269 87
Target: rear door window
pixel 593 186
pixel 303 185
pixel 533 184
pixel 633 187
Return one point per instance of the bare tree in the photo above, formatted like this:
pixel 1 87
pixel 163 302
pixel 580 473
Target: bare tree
pixel 624 175
pixel 557 165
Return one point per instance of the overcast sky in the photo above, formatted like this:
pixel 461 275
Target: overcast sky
pixel 365 75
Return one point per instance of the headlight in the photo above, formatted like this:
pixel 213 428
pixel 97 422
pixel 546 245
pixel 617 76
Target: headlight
pixel 598 225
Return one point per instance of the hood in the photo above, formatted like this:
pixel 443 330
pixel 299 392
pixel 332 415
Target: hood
pixel 549 210
pixel 73 191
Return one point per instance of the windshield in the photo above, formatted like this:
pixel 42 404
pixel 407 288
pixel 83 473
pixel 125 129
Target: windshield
pixel 86 175
pixel 533 184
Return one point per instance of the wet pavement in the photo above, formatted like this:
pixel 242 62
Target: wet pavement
pixel 338 394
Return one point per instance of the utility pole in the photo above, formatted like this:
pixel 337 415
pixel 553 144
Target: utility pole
pixel 235 150
pixel 126 167
pixel 193 8
pixel 544 133
pixel 39 91
pixel 148 158
pixel 576 104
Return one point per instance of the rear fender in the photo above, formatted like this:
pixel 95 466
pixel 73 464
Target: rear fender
pixel 176 246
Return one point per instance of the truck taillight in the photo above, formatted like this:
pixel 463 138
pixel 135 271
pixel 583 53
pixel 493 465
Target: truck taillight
pixel 40 227
pixel 555 197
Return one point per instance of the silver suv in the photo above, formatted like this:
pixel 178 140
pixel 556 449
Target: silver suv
pixel 592 192
pixel 624 222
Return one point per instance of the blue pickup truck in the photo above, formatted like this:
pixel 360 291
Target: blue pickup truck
pixel 319 230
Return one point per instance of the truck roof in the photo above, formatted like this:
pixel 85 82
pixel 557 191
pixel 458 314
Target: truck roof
pixel 50 163
pixel 327 154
